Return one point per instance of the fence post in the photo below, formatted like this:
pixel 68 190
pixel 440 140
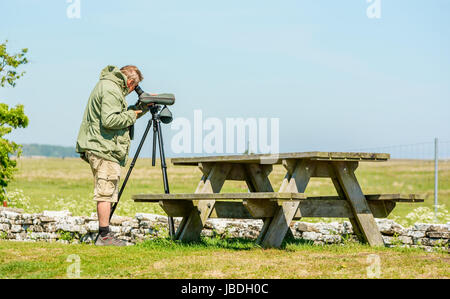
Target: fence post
pixel 436 177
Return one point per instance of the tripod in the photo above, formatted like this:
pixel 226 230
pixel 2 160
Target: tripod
pixel 155 120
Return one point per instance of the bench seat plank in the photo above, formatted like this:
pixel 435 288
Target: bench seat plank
pixel 217 196
pixel 369 197
pixel 274 196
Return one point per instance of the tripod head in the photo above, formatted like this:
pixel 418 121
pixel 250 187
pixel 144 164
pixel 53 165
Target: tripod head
pixel 161 113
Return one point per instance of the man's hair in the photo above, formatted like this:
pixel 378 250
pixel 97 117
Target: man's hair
pixel 132 73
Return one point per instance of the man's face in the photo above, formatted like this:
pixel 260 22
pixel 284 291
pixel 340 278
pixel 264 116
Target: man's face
pixel 131 86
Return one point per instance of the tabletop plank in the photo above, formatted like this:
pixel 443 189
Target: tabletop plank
pixel 278 158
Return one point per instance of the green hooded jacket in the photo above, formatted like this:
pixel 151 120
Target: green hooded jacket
pixel 104 129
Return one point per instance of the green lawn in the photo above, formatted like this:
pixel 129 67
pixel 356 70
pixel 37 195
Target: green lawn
pixel 218 259
pixel 55 184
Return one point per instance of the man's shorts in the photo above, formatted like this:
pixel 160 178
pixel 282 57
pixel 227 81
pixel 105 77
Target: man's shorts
pixel 106 178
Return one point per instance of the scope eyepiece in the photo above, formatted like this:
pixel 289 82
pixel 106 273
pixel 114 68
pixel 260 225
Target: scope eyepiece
pixel 138 90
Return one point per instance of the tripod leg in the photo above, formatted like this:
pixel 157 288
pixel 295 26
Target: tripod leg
pixel 155 125
pixel 133 162
pixel 162 156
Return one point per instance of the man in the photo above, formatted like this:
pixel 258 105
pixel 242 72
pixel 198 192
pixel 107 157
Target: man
pixel 104 140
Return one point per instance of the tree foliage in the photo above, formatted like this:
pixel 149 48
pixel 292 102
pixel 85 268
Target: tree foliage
pixel 10 118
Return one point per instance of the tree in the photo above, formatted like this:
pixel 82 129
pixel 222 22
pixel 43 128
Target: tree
pixel 10 118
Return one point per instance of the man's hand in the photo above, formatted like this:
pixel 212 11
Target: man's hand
pixel 137 112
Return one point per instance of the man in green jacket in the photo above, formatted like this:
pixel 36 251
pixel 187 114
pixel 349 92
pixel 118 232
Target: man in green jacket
pixel 104 140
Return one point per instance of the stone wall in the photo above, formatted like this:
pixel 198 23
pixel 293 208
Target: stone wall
pixel 61 226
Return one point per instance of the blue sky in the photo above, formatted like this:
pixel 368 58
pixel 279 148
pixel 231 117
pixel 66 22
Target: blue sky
pixel 336 79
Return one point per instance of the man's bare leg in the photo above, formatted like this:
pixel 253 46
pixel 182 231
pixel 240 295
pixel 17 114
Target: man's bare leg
pixel 105 238
pixel 103 212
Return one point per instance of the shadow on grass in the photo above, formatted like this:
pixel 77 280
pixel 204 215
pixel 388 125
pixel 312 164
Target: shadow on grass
pixel 204 243
pixel 221 243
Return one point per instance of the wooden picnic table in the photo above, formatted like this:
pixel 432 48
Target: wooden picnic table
pixel 278 209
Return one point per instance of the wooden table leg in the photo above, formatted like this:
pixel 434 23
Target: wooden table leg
pixel 296 180
pixel 192 225
pixel 364 219
pixel 257 181
pixel 354 223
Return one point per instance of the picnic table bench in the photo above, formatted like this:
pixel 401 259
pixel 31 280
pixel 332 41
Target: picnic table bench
pixel 278 209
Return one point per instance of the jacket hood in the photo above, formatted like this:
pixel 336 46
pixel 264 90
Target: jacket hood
pixel 113 73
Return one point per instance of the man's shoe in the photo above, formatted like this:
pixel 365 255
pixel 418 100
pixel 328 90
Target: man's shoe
pixel 109 240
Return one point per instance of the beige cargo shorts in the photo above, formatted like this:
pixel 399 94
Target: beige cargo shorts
pixel 106 178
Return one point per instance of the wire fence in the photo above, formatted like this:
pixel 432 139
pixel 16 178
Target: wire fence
pixel 414 168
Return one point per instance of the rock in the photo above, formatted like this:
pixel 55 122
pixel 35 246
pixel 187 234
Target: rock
pixel 11 215
pixel 21 236
pixel 405 240
pixel 416 234
pixel 28 222
pixel 92 226
pixel 76 220
pixel 16 228
pixel 311 236
pixel 132 224
pixel 439 228
pixel 126 230
pixel 441 235
pixel 37 228
pixel 46 219
pixel 114 229
pixel 438 242
pixel 422 226
pixel 146 224
pixel 218 225
pixel 150 217
pixel 4 227
pixel 389 227
pixel 15 210
pixel 27 219
pixel 87 238
pixel 388 240
pixel 118 220
pixel 64 227
pixel 305 227
pixel 347 227
pixel 56 214
pixel 326 228
pixel 5 220
pixel 136 232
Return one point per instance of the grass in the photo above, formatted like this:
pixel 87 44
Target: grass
pixel 214 258
pixel 66 184
pixel 56 184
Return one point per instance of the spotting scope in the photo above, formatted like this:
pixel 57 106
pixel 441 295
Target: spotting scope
pixel 157 99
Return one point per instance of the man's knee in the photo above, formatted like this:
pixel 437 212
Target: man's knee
pixel 107 176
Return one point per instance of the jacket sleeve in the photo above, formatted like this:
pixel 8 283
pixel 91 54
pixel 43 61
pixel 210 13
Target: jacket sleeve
pixel 112 116
pixel 143 108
